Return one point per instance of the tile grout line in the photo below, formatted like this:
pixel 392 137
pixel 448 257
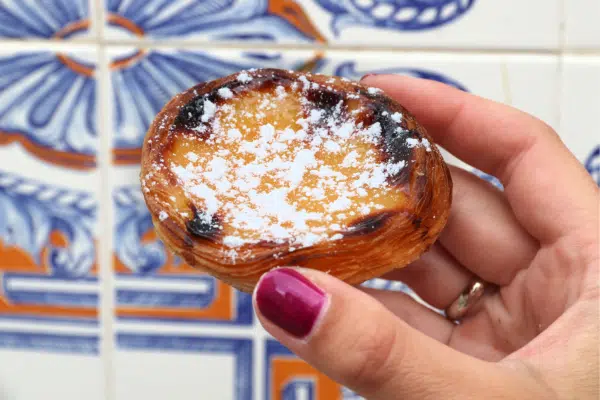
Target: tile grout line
pixel 107 303
pixel 106 241
pixel 209 46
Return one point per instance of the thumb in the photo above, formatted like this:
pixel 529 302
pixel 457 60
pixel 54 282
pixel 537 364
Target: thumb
pixel 354 339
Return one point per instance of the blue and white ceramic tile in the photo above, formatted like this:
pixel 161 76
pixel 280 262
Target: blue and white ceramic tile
pixel 581 28
pixel 48 201
pixel 437 23
pixel 44 19
pixel 219 20
pixel 49 296
pixel 49 289
pixel 48 105
pixel 157 367
pixel 34 376
pixel 48 257
pixel 580 105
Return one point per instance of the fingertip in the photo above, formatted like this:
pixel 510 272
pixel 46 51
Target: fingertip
pixel 286 298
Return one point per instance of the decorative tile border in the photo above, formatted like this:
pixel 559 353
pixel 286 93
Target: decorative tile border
pixel 46 342
pixel 47 252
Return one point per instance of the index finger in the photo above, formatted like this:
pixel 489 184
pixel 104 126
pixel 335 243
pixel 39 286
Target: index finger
pixel 548 189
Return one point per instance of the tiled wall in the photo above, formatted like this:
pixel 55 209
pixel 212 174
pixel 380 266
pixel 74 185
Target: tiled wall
pixel 92 306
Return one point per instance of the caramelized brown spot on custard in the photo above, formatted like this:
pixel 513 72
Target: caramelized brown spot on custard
pixel 203 225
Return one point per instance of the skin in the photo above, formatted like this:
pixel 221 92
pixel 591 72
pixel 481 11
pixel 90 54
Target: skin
pixel 535 336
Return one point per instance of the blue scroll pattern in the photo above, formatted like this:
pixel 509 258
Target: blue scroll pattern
pixel 31 211
pixel 132 222
pixel 399 15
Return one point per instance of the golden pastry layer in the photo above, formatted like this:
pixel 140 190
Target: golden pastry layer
pixel 268 168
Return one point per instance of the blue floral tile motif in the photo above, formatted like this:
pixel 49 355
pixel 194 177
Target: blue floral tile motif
pixel 256 20
pixel 350 70
pixel 48 271
pixel 48 106
pixel 592 164
pixel 57 19
pixel 143 82
pixel 399 15
pixel 133 221
pixel 149 276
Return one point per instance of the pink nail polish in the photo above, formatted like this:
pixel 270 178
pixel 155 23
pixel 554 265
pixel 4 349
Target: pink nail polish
pixel 290 301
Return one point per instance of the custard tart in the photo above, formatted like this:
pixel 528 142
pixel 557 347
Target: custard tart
pixel 268 168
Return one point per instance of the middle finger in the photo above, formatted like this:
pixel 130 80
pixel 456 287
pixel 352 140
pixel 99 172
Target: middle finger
pixel 482 233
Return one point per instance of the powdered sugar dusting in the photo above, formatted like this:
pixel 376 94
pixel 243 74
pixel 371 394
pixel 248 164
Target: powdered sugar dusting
pixel 209 110
pixel 225 93
pixel 244 77
pixel 280 168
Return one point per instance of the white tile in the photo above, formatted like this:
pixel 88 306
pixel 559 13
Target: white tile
pixel 27 375
pixel 582 24
pixel 448 23
pixel 157 367
pixel 161 376
pixel 581 109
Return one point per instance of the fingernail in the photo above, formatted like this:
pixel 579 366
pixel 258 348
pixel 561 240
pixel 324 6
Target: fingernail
pixel 290 301
pixel 366 76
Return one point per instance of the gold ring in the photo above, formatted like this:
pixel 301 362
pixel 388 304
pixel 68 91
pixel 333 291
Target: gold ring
pixel 463 303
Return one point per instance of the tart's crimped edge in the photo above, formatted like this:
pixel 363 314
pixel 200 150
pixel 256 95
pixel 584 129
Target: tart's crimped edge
pixel 355 258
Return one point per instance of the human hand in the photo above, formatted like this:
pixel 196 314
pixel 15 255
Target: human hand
pixel 535 336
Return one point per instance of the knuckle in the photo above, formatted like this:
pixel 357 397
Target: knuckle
pixel 375 354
